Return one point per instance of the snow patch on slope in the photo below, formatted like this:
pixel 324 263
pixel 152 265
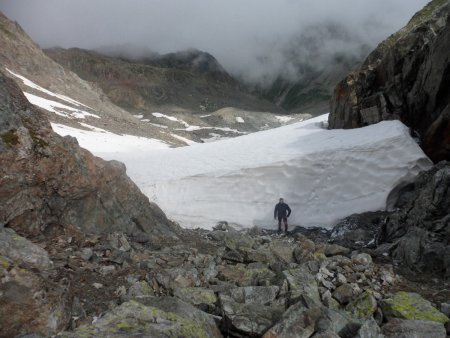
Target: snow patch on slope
pixel 33 85
pixel 324 175
pixel 58 108
pixel 110 145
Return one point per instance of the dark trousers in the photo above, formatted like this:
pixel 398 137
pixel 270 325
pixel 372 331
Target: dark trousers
pixel 284 219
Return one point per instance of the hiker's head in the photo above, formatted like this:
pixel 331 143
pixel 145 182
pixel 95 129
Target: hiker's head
pixel 281 200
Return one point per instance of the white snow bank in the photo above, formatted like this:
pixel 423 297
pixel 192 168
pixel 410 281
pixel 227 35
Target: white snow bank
pixel 239 119
pixel 108 144
pixel 33 85
pixel 58 108
pixel 324 175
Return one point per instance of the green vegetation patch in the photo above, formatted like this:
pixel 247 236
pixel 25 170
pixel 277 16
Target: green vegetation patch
pixel 10 137
pixel 411 306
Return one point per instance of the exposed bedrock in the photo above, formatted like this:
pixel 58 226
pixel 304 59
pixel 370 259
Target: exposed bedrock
pixel 407 77
pixel 416 233
pixel 50 180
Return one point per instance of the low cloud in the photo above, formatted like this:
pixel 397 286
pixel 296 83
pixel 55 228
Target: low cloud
pixel 255 39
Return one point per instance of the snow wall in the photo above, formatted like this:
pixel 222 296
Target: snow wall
pixel 324 175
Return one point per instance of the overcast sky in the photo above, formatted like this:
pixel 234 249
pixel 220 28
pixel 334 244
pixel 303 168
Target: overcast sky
pixel 246 36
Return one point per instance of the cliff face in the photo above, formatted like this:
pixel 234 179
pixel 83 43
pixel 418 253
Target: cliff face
pixel 407 78
pixel 49 180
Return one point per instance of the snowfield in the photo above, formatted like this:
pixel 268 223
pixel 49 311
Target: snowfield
pixel 324 175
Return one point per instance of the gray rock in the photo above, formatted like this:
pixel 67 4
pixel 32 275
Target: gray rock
pixel 361 261
pixel 86 253
pixel 326 334
pixel 32 303
pixel 369 329
pixel 251 318
pixel 298 321
pixel 445 309
pixel 174 278
pixel 21 251
pixel 159 318
pixel 334 249
pixel 139 289
pixel 411 306
pixel 107 269
pixel 301 283
pixel 399 328
pixel 203 298
pixel 263 295
pixel 344 293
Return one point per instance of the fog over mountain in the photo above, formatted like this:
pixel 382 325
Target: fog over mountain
pixel 257 40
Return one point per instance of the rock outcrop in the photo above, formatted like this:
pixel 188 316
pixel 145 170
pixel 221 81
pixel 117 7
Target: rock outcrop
pixel 415 233
pixel 47 180
pixel 407 77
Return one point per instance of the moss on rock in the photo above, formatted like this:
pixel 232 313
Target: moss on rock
pixel 411 306
pixel 363 306
pixel 10 137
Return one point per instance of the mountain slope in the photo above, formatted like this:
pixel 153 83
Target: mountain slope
pixel 190 81
pixel 70 100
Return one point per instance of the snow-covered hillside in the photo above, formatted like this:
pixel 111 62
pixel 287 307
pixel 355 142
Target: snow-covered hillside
pixel 323 175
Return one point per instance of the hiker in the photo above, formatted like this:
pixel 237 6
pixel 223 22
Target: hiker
pixel 283 211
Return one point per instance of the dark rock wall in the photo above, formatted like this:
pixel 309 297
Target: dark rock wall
pixel 407 78
pixel 47 180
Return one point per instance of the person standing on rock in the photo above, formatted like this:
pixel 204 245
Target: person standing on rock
pixel 282 211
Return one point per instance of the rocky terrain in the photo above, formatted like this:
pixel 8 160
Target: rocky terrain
pixel 84 254
pixel 408 78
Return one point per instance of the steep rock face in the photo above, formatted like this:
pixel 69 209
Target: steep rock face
pixel 420 229
pixel 408 78
pixel 49 180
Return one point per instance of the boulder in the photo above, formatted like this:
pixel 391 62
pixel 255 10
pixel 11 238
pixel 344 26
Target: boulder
pixel 307 317
pixel 166 318
pixel 243 275
pixel 369 329
pixel 345 293
pixel 262 295
pixel 252 319
pixel 363 306
pixel 301 283
pixel 203 298
pixel 399 328
pixel 411 306
pixel 31 303
pixel 22 252
pixel 359 230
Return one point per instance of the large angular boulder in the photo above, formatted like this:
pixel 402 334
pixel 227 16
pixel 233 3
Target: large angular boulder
pixel 407 77
pixel 30 302
pixel 169 318
pixel 399 328
pixel 411 306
